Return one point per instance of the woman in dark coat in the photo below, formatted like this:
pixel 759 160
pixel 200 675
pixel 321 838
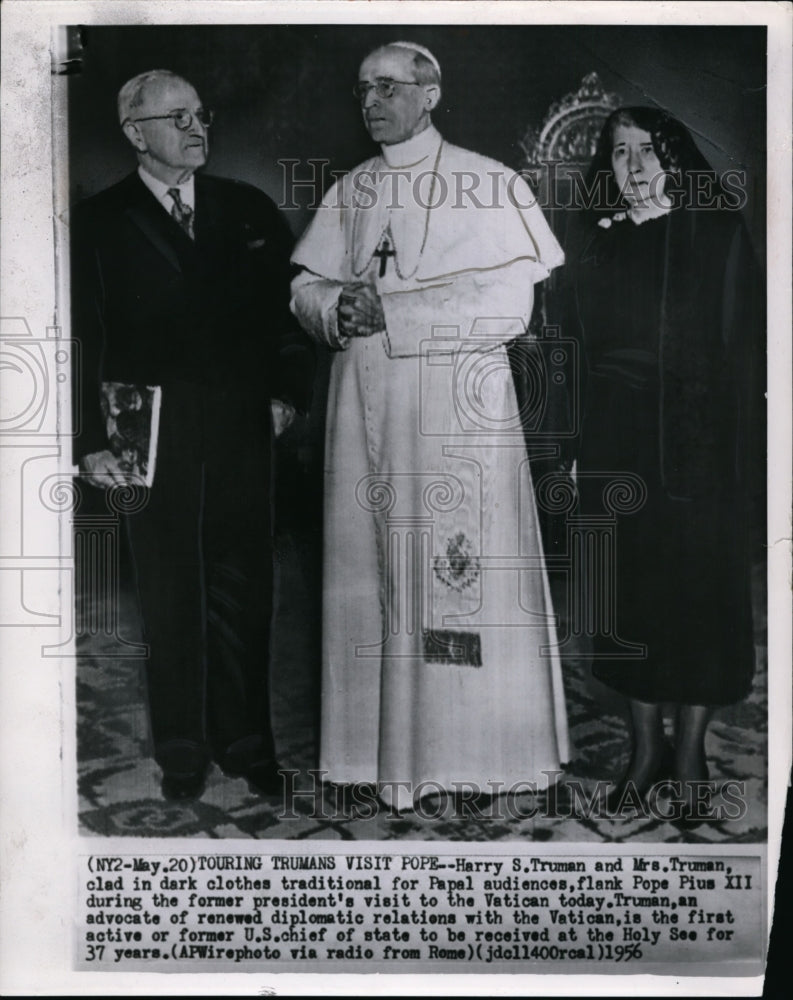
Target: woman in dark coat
pixel 670 311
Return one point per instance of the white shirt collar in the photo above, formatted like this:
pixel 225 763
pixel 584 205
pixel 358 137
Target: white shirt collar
pixel 413 150
pixel 160 190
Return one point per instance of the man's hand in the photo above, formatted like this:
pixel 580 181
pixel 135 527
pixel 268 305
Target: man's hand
pixel 283 416
pixel 102 469
pixel 360 311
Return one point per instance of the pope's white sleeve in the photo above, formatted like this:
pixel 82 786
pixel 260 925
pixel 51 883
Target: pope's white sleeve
pixel 315 302
pixel 474 311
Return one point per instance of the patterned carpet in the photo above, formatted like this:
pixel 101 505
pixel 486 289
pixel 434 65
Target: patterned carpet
pixel 119 783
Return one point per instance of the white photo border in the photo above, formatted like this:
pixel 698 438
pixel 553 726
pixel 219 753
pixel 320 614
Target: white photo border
pixel 37 710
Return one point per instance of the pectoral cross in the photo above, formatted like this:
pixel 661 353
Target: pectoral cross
pixel 384 252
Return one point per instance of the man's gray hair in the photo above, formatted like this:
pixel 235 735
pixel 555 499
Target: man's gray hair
pixel 425 65
pixel 133 93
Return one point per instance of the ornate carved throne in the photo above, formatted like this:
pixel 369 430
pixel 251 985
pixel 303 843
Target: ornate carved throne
pixel 556 158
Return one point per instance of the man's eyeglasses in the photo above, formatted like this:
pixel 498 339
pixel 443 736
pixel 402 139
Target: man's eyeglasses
pixel 383 87
pixel 182 118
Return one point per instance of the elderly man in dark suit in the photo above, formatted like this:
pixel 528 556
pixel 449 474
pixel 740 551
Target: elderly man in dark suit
pixel 181 281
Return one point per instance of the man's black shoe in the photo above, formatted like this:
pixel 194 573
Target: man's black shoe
pixel 250 758
pixel 183 787
pixel 184 764
pixel 264 777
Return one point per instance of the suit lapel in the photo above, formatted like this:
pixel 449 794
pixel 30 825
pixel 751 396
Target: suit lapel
pixel 163 232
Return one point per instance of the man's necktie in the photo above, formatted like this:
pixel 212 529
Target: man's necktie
pixel 181 212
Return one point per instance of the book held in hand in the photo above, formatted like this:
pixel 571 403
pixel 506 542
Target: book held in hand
pixel 132 417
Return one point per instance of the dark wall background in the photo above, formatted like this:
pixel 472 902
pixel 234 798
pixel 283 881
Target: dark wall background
pixel 285 92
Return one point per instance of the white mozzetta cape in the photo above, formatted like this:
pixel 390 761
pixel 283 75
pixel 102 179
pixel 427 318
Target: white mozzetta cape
pixel 439 660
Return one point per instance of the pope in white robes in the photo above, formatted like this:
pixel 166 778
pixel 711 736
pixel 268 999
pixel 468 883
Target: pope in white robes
pixel 439 668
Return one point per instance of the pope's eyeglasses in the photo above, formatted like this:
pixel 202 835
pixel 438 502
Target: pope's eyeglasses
pixel 383 87
pixel 182 118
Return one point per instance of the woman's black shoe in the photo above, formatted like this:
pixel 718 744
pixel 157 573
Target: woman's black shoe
pixel 627 794
pixel 692 815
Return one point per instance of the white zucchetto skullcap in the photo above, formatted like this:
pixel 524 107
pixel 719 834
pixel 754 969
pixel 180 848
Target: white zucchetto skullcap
pixel 415 47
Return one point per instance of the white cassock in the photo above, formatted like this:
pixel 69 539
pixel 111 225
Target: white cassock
pixel 439 662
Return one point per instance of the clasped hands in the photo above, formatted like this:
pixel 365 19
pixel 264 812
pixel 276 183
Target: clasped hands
pixel 360 310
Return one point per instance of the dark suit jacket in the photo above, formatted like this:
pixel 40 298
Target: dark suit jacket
pixel 150 305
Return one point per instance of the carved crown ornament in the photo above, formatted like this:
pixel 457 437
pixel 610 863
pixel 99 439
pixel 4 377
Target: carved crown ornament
pixel 571 127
